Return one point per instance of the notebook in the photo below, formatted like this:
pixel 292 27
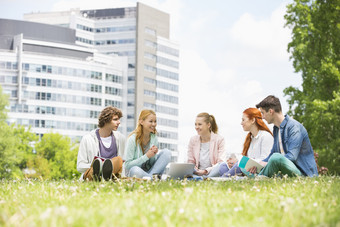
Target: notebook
pixel 181 170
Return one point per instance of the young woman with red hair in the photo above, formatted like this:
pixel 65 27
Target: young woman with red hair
pixel 257 144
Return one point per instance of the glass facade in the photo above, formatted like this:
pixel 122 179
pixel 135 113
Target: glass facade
pixel 63 98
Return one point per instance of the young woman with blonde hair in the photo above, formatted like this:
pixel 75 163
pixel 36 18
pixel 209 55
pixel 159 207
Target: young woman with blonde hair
pixel 142 158
pixel 206 149
pixel 257 144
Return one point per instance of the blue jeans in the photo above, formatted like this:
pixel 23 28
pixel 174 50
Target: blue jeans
pixel 162 160
pixel 226 172
pixel 213 173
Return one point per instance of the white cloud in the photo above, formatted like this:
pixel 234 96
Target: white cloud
pixel 249 56
pixel 268 36
pixel 64 5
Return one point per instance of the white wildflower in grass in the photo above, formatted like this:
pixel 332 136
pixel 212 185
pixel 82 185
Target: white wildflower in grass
pixel 62 210
pixel 316 182
pixel 73 188
pixel 237 209
pixel 254 188
pixel 260 219
pixel 315 204
pixel 129 203
pixel 188 190
pixel 46 214
pixel 290 200
pixel 181 211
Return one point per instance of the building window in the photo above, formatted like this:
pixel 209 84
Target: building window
pixel 151 44
pixel 150 68
pixel 150 93
pixel 150 31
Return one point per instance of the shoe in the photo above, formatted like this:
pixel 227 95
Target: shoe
pixel 107 169
pixel 156 176
pixel 97 166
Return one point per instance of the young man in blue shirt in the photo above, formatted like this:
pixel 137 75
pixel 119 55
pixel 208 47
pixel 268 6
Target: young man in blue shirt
pixel 292 152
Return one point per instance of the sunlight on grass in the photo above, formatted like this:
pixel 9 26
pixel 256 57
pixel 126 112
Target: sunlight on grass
pixel 269 202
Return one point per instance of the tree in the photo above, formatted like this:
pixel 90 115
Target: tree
pixel 25 138
pixel 315 51
pixel 3 104
pixel 9 158
pixel 15 149
pixel 61 156
pixel 8 144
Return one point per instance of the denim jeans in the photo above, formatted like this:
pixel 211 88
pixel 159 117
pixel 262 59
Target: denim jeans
pixel 279 164
pixel 214 172
pixel 226 172
pixel 162 160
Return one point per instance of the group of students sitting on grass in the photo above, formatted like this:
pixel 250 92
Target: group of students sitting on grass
pixel 285 151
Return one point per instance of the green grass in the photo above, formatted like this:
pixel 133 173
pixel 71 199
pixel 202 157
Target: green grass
pixel 268 202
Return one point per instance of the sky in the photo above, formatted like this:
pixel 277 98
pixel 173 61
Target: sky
pixel 232 55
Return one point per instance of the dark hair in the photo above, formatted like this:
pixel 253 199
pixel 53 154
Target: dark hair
pixel 209 119
pixel 270 102
pixel 253 113
pixel 107 115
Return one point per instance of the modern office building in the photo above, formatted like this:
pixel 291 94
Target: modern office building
pixel 54 84
pixel 142 34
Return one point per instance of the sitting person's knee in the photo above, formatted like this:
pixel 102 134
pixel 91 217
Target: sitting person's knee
pixel 276 157
pixel 167 153
pixel 133 171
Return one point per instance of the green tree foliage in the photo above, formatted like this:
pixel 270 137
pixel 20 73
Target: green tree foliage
pixel 9 157
pixel 3 104
pixel 61 156
pixel 25 139
pixel 15 149
pixel 315 51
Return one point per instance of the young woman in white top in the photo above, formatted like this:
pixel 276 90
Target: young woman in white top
pixel 257 144
pixel 206 149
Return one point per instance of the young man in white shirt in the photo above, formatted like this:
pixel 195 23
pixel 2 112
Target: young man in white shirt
pixel 100 151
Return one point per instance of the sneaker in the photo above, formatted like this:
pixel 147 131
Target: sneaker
pixel 156 176
pixel 107 169
pixel 97 165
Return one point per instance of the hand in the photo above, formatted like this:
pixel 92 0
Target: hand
pixel 231 162
pixel 152 151
pixel 252 170
pixel 263 163
pixel 201 172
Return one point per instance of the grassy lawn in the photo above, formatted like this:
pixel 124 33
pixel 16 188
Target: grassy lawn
pixel 268 202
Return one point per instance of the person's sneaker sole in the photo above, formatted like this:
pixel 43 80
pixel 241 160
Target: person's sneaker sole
pixel 107 169
pixel 96 169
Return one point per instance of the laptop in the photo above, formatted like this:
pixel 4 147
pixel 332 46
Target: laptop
pixel 180 170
